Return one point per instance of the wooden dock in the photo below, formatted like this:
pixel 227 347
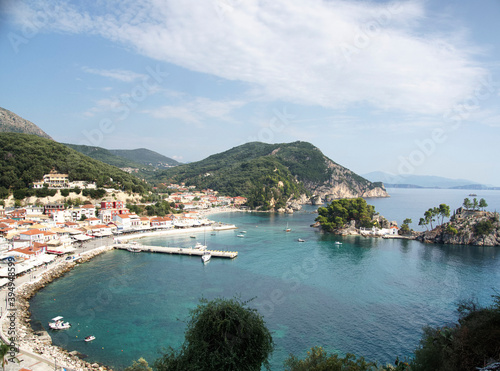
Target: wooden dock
pixel 179 250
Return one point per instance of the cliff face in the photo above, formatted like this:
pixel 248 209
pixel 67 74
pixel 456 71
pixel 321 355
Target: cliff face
pixel 480 228
pixel 343 183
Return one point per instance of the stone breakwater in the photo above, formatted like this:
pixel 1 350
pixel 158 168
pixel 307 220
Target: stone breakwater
pixel 39 342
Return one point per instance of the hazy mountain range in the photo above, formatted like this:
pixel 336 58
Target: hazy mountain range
pixel 423 181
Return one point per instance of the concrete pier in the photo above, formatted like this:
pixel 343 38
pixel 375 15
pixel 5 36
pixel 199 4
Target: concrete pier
pixel 179 250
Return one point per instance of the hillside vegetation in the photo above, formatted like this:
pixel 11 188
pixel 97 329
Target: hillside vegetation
pixel 269 175
pixel 25 158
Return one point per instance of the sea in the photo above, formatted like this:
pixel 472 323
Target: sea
pixel 367 296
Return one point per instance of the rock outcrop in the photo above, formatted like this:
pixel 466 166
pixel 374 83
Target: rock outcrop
pixel 343 183
pixel 466 227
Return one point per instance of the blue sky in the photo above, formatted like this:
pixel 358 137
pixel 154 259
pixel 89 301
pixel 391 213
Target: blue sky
pixel 402 87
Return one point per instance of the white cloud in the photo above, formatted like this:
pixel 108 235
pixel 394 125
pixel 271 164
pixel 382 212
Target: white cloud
pixel 196 111
pixel 116 74
pixel 334 54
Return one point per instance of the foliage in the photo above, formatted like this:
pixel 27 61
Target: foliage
pixel 340 212
pixel 467 204
pixel 484 228
pixel 25 158
pixel 451 230
pixel 161 208
pixel 221 335
pixel 483 204
pixel 318 360
pixel 463 346
pixel 140 365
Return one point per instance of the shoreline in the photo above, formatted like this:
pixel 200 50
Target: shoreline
pixel 38 345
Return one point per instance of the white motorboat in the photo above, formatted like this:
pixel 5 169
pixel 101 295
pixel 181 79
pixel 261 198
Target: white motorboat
pixel 301 240
pixel 205 258
pixel 240 235
pixel 90 338
pixel 200 246
pixel 133 249
pixel 338 243
pixel 59 324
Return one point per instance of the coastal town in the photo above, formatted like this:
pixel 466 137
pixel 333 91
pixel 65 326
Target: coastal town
pixel 40 242
pixel 33 235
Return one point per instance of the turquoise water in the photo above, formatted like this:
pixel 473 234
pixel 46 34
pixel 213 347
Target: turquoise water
pixel 370 297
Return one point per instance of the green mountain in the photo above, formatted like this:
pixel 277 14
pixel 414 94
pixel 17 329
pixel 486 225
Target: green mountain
pixel 145 157
pixel 25 158
pixel 12 123
pixel 105 155
pixel 270 175
pixel 145 160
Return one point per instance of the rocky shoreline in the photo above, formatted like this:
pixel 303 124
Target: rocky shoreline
pixel 39 342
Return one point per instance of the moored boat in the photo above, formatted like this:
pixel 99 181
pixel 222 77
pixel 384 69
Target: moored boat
pixel 301 240
pixel 59 324
pixel 205 258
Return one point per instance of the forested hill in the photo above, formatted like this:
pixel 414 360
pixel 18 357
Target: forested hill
pixel 140 158
pixel 12 123
pixel 270 174
pixel 146 157
pixel 25 158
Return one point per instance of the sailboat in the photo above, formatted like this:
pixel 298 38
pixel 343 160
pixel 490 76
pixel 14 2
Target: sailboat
pixel 287 229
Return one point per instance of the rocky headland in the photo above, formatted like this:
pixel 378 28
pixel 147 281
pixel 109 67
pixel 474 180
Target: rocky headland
pixel 466 227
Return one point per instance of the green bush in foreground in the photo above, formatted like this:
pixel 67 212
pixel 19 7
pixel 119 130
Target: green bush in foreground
pixel 221 335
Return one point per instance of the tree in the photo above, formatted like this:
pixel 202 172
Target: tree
pixel 405 227
pixel 467 204
pixel 424 222
pixel 475 204
pixel 483 204
pixel 140 365
pixel 221 334
pixel 444 212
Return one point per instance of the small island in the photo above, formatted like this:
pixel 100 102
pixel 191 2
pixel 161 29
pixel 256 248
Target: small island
pixel 469 225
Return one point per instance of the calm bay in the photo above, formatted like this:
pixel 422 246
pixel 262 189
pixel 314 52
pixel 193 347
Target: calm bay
pixel 367 296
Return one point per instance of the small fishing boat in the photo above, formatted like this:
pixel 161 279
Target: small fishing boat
pixel 90 338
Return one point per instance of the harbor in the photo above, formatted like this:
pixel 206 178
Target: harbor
pixel 177 250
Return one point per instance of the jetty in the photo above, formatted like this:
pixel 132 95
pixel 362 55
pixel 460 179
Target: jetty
pixel 178 250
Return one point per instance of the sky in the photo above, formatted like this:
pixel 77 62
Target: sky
pixel 405 87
